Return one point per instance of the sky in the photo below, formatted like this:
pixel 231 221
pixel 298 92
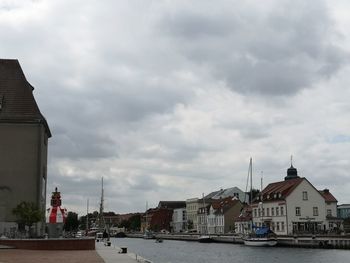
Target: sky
pixel 167 100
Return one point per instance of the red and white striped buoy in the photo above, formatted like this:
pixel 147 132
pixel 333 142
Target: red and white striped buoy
pixel 56 214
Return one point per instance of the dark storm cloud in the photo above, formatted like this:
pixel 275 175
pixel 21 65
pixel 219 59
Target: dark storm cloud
pixel 275 51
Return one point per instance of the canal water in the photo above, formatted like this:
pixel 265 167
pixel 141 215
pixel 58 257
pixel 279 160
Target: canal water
pixel 171 251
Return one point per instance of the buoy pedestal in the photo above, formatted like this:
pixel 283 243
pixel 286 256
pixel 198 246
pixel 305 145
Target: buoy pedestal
pixel 56 216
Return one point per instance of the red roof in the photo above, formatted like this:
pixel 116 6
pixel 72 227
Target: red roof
pixel 280 190
pixel 224 203
pixel 327 196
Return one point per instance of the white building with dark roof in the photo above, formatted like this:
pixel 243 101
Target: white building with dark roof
pixel 295 206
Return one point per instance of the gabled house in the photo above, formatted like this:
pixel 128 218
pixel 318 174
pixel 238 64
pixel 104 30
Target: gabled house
pixel 243 222
pixel 292 206
pixel 221 215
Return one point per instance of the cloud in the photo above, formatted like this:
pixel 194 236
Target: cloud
pixel 274 51
pixel 169 99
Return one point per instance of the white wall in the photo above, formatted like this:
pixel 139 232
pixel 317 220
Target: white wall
pixel 295 199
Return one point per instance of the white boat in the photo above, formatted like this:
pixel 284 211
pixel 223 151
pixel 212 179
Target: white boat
pixel 260 242
pixel 261 237
pixel 204 239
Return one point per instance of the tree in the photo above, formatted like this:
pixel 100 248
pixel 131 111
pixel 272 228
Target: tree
pixel 27 214
pixel 135 222
pixel 72 222
pixel 189 224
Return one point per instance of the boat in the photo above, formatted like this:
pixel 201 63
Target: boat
pixel 205 238
pixel 260 236
pixel 159 240
pixel 148 235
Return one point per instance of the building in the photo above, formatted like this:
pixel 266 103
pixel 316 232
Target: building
pixel 221 215
pixel 146 219
pixel 229 192
pixel 243 223
pixel 193 205
pixel 343 211
pixel 24 135
pixel 179 220
pixel 171 204
pixel 161 219
pixel 295 206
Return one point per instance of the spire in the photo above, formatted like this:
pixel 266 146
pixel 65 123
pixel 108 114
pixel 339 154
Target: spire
pixel 292 172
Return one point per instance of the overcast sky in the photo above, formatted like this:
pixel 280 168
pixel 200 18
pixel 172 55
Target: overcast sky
pixel 167 100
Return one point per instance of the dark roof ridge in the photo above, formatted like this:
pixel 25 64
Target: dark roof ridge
pixel 17 99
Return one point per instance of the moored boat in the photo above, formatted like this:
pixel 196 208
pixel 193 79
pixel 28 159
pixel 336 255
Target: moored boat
pixel 204 239
pixel 261 237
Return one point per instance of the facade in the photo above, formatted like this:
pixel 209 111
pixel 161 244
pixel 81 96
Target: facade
pixel 146 219
pixel 294 206
pixel 343 211
pixel 192 206
pixel 161 219
pixel 203 214
pixel 243 223
pixel 221 215
pixel 24 135
pixel 179 221
pixel 195 215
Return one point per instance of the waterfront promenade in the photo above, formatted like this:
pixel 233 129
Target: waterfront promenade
pixel 102 254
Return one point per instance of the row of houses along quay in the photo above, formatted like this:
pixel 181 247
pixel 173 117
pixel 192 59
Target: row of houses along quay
pixel 299 213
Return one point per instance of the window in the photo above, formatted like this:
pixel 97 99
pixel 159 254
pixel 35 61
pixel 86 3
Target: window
pixel 295 226
pixel 277 211
pixel 297 211
pixel 267 211
pixel 263 211
pixel 282 226
pixel 282 210
pixel 329 212
pixel 255 213
pixel 305 195
pixel 315 210
pixel 273 226
pixel 272 211
pixel 278 226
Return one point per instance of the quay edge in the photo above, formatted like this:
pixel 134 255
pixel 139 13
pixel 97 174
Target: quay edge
pixel 324 242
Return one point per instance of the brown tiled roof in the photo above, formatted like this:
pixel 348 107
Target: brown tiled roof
pixel 280 190
pixel 17 103
pixel 224 204
pixel 328 197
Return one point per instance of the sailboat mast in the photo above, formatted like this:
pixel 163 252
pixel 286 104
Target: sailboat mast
pixel 205 216
pixel 87 215
pixel 251 179
pixel 102 207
